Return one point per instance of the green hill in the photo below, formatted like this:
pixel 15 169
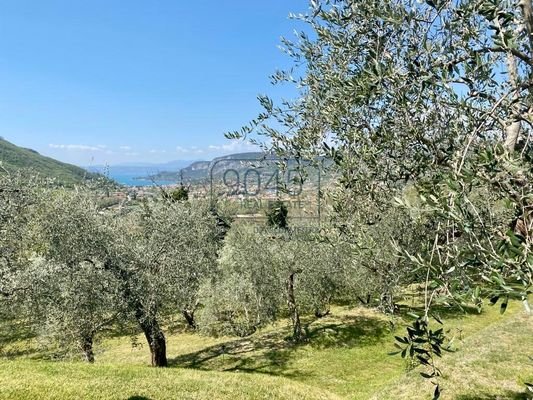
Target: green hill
pixel 14 158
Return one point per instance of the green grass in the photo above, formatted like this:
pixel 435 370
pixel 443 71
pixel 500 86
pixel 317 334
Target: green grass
pixel 493 362
pixel 47 380
pixel 345 358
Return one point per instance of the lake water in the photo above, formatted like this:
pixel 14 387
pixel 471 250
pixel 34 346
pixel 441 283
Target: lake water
pixel 129 180
pixel 129 175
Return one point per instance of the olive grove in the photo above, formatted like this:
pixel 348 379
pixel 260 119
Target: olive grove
pixel 73 270
pixel 268 273
pixel 425 107
pixel 423 112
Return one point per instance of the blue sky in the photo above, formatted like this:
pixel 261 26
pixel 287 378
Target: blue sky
pixel 109 81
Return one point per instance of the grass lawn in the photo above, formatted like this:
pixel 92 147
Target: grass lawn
pixel 345 358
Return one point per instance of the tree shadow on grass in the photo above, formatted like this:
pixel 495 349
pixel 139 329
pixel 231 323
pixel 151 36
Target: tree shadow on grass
pixel 271 353
pixel 351 331
pixel 17 340
pixel 265 353
pixel 507 395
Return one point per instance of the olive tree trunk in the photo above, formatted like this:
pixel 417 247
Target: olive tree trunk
pixel 156 340
pixel 297 333
pixel 146 319
pixel 189 317
pixel 86 346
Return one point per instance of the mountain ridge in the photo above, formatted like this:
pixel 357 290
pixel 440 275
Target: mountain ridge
pixel 16 158
pixel 199 169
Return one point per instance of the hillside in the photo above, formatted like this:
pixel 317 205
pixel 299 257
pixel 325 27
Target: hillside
pixel 199 170
pixel 239 162
pixel 15 158
pixel 345 358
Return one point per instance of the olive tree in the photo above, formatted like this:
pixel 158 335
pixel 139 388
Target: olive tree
pixel 245 293
pixel 17 194
pixel 415 93
pixel 267 273
pixel 71 306
pixel 164 251
pixel 143 264
pixel 433 94
pixel 73 296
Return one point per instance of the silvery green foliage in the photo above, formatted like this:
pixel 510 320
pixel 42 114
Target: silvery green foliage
pixel 17 194
pixel 246 292
pixel 255 265
pixel 73 296
pixel 87 269
pixel 53 244
pixel 70 308
pixel 160 254
pixel 389 88
pixel 169 248
pixel 69 227
pixel 433 95
pixel 378 250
